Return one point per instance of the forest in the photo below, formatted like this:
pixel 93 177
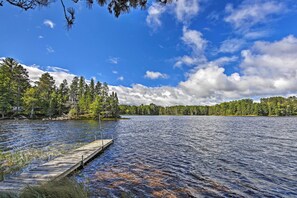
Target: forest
pixel 43 99
pixel 273 106
pixel 83 99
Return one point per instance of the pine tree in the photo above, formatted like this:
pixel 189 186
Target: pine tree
pixel 45 87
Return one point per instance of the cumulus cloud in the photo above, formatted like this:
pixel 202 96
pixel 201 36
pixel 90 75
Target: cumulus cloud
pixel 49 23
pixel 121 78
pixel 183 10
pixel 59 74
pixel 277 59
pixel 267 69
pixel 186 9
pixel 154 75
pixel 139 94
pixel 154 13
pixel 252 12
pixel 197 44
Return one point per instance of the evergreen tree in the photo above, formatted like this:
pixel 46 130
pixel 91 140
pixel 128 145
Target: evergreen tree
pixel 63 98
pixel 45 87
pixel 16 81
pixel 98 88
pixel 92 90
pixel 74 95
pixel 4 93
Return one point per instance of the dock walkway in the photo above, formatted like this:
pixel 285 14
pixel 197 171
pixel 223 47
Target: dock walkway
pixel 57 168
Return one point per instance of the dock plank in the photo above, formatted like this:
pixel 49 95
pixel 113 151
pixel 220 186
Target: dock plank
pixel 57 168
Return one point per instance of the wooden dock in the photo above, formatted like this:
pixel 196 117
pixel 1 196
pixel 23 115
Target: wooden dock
pixel 56 169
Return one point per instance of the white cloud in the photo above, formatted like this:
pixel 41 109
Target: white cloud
pixel 277 59
pixel 256 34
pixel 49 23
pixel 231 45
pixel 185 60
pixel 113 60
pixel 50 50
pixel 121 78
pixel 224 60
pixel 186 9
pixel 154 75
pixel 40 37
pixel 195 41
pixel 140 94
pixel 154 13
pixel 59 74
pixel 114 72
pixel 193 38
pixel 252 12
pixel 57 69
pixel 183 10
pixel 268 69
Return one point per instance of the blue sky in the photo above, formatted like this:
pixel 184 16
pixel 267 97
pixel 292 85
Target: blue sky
pixel 190 52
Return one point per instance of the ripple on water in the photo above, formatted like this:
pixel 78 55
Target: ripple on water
pixel 181 156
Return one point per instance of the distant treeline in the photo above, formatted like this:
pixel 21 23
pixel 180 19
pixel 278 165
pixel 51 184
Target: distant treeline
pixel 45 99
pixel 273 106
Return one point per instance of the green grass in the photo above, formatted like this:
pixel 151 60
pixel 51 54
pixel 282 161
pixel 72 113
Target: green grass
pixel 66 188
pixel 11 162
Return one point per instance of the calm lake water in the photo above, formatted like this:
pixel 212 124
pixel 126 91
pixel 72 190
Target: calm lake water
pixel 172 156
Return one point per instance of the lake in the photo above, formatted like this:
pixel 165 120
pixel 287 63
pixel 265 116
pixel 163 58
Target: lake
pixel 172 156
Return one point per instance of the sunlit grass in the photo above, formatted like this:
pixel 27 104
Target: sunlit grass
pixel 13 161
pixel 66 188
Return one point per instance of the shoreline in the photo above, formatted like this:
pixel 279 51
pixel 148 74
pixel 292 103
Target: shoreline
pixel 62 118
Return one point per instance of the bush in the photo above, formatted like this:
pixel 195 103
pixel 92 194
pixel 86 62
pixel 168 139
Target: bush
pixel 72 113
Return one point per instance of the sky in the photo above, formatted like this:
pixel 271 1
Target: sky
pixel 191 52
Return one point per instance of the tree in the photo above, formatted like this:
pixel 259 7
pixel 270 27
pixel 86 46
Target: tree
pixel 96 107
pixel 74 96
pixel 92 89
pixel 63 97
pixel 17 80
pixel 116 7
pixel 4 93
pixel 31 100
pixel 45 87
pixel 98 88
pixel 21 83
pixel 45 99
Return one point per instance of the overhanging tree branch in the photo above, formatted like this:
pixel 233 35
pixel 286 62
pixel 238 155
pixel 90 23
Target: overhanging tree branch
pixel 116 7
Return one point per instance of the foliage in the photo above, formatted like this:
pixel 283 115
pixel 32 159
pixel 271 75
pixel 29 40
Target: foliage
pixel 115 7
pixel 45 99
pixel 273 106
pixel 30 100
pixel 14 80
